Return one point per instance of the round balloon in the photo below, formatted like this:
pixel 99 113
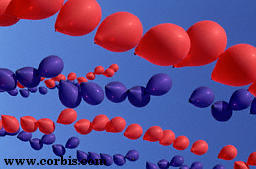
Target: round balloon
pixel 240 99
pixel 221 111
pixel 28 77
pixel 202 97
pixel 159 84
pixel 92 93
pixel 138 96
pixel 50 66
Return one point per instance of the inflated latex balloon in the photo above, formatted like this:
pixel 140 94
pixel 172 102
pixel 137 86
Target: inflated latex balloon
pixel 10 123
pixel 90 76
pixel 72 143
pixel 177 161
pixel 46 125
pixel 159 84
pixel 200 147
pixel 81 157
pixel 181 143
pixel 208 41
pixel 43 90
pixel 83 126
pixel 228 152
pixel 138 96
pixel 6 20
pixel 164 45
pixel 108 160
pixel 196 165
pixel 221 111
pixel 240 99
pixel 48 139
pixel 28 123
pixel 24 93
pixel 241 57
pixel 219 166
pixel 114 67
pixel 81 80
pixel 98 70
pixel 93 158
pixel 150 165
pixel 132 155
pixel 36 144
pixel 51 66
pixel 84 20
pixel 153 134
pixel 252 159
pixel 133 131
pixel 13 92
pixel 58 150
pixel 99 123
pixel 109 72
pixel 28 77
pixel 59 78
pixel 69 94
pixel 202 97
pixel 24 136
pixel 92 93
pixel 240 165
pixel 119 159
pixel 119 32
pixel 67 116
pixel 7 80
pixel 116 92
pixel 167 138
pixel 116 125
pixel 34 10
pixel 163 164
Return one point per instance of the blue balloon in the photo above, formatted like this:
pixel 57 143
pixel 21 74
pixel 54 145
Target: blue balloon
pixel 13 134
pixel 24 136
pixel 202 97
pixel 93 158
pixel 219 166
pixel 108 160
pixel 43 90
pixel 24 93
pixel 150 165
pixel 48 139
pixel 138 96
pixel 116 92
pixel 119 159
pixel 240 99
pixel 253 107
pixel 132 155
pixel 92 93
pixel 7 80
pixel 72 142
pixel 184 167
pixel 196 165
pixel 36 144
pixel 51 66
pixel 221 111
pixel 177 161
pixel 13 92
pixel 58 150
pixel 81 157
pixel 33 89
pixel 163 164
pixel 159 84
pixel 2 132
pixel 28 77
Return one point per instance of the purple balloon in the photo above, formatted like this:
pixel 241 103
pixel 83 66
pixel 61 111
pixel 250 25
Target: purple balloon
pixel 177 161
pixel 253 107
pixel 7 80
pixel 159 84
pixel 93 158
pixel 43 90
pixel 221 111
pixel 202 97
pixel 132 155
pixel 81 157
pixel 116 92
pixel 108 160
pixel 196 165
pixel 51 66
pixel 218 166
pixel 163 164
pixel 13 92
pixel 119 159
pixel 72 142
pixel 92 93
pixel 33 89
pixel 138 96
pixel 48 139
pixel 150 165
pixel 2 132
pixel 69 94
pixel 24 136
pixel 13 134
pixel 58 150
pixel 36 144
pixel 24 92
pixel 28 77
pixel 184 167
pixel 241 99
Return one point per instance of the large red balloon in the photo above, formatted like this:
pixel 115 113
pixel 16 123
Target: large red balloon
pixel 153 134
pixel 199 147
pixel 208 41
pixel 83 126
pixel 34 9
pixel 10 123
pixel 228 152
pixel 67 116
pixel 78 17
pixel 240 165
pixel 119 32
pixel 236 66
pixel 28 124
pixel 181 143
pixel 6 20
pixel 99 123
pixel 252 159
pixel 168 138
pixel 116 125
pixel 133 131
pixel 46 125
pixel 165 44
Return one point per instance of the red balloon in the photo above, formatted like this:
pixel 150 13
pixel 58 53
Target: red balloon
pixel 46 125
pixel 236 66
pixel 181 143
pixel 83 126
pixel 252 159
pixel 1 124
pixel 199 147
pixel 78 17
pixel 252 89
pixel 115 67
pixel 119 32
pixel 164 45
pixel 90 76
pixel 59 78
pixel 133 131
pixel 208 41
pixel 28 124
pixel 67 116
pixel 240 165
pixel 228 152
pixel 99 123
pixel 81 80
pixel 116 125
pixel 6 20
pixel 109 72
pixel 168 138
pixel 72 76
pixel 99 70
pixel 153 134
pixel 10 123
pixel 34 9
pixel 50 83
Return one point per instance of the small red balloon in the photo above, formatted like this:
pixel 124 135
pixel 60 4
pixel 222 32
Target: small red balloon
pixel 116 125
pixel 252 159
pixel 81 80
pixel 240 165
pixel 99 123
pixel 168 138
pixel 72 76
pixel 133 131
pixel 228 152
pixel 153 134
pixel 90 76
pixel 115 67
pixel 199 147
pixel 67 116
pixel 10 123
pixel 99 70
pixel 83 126
pixel 59 78
pixel 28 124
pixel 109 72
pixel 20 85
pixel 46 125
pixel 50 83
pixel 181 143
pixel 6 20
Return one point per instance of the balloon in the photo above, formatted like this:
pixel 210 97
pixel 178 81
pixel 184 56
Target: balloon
pixel 119 159
pixel 43 90
pixel 199 147
pixel 252 159
pixel 116 92
pixel 7 80
pixel 13 92
pixel 24 136
pixel 58 149
pixel 109 72
pixel 50 66
pixel 159 84
pixel 83 126
pixel 13 134
pixel 93 158
pixel 2 132
pixel 150 165
pixel 133 131
pixel 36 144
pixel 72 143
pixel 6 20
pixel 24 93
pixel 119 32
pixel 46 125
pixel 99 70
pixel 231 60
pixel 107 159
pixel 50 83
pixel 132 155
pixel 218 166
pixel 28 77
pixel 184 167
pixel 202 97
pixel 240 99
pixel 48 139
pixel 28 123
pixel 138 96
pixel 153 134
pixel 90 76
pixel 72 76
pixel 116 125
pixel 196 165
pixel 92 93
pixel 81 157
pixel 167 138
pixel 177 161
pixel 69 94
pixel 81 80
pixel 181 143
pixel 67 116
pixel 164 45
pixel 99 123
pixel 33 89
pixel 228 152
pixel 114 67
pixel 163 164
pixel 240 165
pixel 208 41
pixel 221 111
pixel 10 123
pixel 252 89
pixel 59 77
